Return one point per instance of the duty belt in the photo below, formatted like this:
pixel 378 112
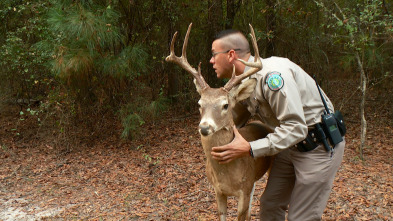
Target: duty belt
pixel 311 142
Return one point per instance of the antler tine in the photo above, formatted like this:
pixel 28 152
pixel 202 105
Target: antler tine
pixel 255 66
pixel 185 43
pixel 200 75
pixel 172 48
pixel 254 44
pixel 182 60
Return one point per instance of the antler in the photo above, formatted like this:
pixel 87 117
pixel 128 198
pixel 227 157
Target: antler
pixel 182 61
pixel 255 66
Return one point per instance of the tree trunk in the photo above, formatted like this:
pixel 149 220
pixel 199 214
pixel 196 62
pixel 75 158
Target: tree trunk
pixel 215 21
pixel 231 11
pixel 270 27
pixel 173 81
pixel 363 84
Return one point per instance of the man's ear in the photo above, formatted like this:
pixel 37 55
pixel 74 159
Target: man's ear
pixel 199 89
pixel 244 90
pixel 232 57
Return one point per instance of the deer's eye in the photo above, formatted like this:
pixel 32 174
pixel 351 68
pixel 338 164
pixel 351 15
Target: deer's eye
pixel 225 106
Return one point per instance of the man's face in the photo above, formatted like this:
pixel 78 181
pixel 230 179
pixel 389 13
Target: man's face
pixel 220 61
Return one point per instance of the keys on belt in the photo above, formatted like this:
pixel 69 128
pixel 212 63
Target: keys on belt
pixel 314 138
pixel 310 143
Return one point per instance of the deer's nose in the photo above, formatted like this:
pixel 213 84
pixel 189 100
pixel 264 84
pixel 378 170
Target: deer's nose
pixel 204 129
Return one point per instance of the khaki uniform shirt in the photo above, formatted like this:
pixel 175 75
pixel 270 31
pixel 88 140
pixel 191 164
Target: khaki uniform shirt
pixel 290 110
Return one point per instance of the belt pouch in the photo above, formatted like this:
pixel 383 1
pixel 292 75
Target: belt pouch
pixel 340 122
pixel 307 144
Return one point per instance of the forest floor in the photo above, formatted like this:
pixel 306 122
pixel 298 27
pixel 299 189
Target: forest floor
pixel 162 175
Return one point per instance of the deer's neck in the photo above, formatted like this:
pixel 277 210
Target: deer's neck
pixel 219 138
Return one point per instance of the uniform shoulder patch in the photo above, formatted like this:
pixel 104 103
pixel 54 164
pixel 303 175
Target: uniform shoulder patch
pixel 274 81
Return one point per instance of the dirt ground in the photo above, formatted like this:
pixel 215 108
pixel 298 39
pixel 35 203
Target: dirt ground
pixel 162 176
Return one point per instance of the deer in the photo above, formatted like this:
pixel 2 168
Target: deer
pixel 236 178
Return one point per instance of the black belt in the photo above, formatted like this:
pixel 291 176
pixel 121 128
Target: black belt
pixel 314 139
pixel 310 143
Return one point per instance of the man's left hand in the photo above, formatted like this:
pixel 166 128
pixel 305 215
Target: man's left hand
pixel 239 147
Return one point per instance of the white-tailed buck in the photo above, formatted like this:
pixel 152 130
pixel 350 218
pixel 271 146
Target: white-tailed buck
pixel 216 128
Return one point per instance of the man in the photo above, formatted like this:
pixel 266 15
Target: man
pixel 287 99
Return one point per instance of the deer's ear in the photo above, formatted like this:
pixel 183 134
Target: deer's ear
pixel 198 87
pixel 244 90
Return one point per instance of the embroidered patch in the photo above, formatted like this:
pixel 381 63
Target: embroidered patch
pixel 274 81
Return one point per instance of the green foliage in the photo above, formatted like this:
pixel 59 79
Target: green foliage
pixel 4 147
pixel 83 57
pixel 24 72
pixel 84 37
pixel 130 63
pixel 148 158
pixel 140 111
pixel 158 106
pixel 131 123
pixel 92 27
pixel 366 29
pixel 92 56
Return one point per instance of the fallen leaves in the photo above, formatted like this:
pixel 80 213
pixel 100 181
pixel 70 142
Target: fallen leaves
pixel 162 177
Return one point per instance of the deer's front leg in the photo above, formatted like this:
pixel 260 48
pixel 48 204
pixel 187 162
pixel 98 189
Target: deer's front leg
pixel 222 205
pixel 244 205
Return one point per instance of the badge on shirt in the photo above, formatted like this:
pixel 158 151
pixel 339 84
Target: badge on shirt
pixel 274 81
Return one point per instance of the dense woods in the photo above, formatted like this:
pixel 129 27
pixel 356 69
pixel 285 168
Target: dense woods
pixel 91 57
pixel 95 125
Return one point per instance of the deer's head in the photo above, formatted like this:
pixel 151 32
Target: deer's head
pixel 216 103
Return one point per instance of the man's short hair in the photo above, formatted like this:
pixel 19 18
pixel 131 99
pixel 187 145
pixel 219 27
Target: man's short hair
pixel 234 39
pixel 225 33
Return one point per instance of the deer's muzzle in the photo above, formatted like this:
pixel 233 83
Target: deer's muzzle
pixel 204 129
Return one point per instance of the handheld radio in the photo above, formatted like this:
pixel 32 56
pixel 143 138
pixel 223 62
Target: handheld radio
pixel 329 123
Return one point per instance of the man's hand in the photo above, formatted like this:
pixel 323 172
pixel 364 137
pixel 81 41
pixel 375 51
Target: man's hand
pixel 239 147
